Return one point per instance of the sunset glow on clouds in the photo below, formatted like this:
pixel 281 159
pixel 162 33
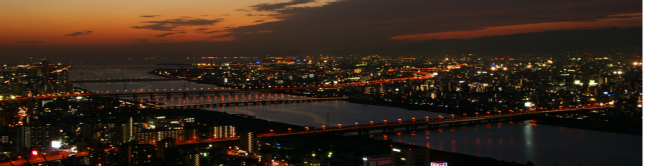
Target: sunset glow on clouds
pixel 292 25
pixel 127 22
pixel 623 20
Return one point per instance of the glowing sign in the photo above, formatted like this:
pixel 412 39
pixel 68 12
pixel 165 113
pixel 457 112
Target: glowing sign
pixel 56 144
pixel 438 163
pixel 34 152
pixel 396 150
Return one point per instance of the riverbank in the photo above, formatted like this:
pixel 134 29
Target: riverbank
pixel 355 146
pixel 240 121
pixel 363 147
pixel 630 129
pixel 412 107
pixel 561 122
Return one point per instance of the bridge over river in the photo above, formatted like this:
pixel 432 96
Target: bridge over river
pixel 362 129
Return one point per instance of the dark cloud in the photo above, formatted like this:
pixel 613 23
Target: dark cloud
pixel 242 10
pixel 171 33
pixel 159 27
pixel 150 16
pixel 250 14
pixel 258 21
pixel 79 33
pixel 170 24
pixel 620 16
pixel 225 14
pixel 209 32
pixel 222 36
pixel 199 30
pixel 278 6
pixel 355 24
pixel 31 42
pixel 371 23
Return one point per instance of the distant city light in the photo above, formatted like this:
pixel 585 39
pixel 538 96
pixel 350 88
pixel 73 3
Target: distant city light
pixel 438 163
pixel 56 144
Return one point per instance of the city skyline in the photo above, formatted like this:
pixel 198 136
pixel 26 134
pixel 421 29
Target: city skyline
pixel 321 82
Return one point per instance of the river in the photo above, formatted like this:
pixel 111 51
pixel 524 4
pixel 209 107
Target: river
pixel 519 141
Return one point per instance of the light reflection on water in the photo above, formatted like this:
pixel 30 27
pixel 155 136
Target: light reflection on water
pixel 178 99
pixel 111 73
pixel 161 86
pixel 315 113
pixel 517 141
pixel 526 141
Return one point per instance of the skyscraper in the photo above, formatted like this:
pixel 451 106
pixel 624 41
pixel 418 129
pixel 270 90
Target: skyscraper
pixel 248 141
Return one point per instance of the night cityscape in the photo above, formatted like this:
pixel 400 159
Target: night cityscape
pixel 321 83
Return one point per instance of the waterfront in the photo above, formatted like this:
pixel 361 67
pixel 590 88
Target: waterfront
pixel 523 141
pixel 517 141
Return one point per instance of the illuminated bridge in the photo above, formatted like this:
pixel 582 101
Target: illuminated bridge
pixel 130 66
pixel 247 90
pixel 362 129
pixel 250 102
pixel 388 127
pixel 124 80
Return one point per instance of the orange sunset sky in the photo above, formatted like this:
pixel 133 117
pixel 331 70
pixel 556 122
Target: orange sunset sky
pixel 111 21
pixel 315 25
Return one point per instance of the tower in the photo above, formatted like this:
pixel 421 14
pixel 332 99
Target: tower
pixel 248 141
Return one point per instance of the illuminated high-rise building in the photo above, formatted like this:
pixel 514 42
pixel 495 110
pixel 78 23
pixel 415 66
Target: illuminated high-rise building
pixel 248 141
pixel 222 131
pixel 410 156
